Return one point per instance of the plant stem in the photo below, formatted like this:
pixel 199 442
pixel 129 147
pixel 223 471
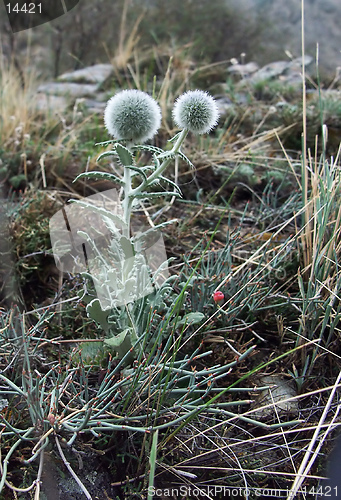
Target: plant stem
pixel 8 456
pixel 168 158
pixel 128 200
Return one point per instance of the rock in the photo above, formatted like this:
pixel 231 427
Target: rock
pixel 97 73
pixel 94 106
pixel 57 483
pixel 270 71
pixel 293 79
pixel 296 64
pixel 56 103
pixel 279 391
pixel 82 85
pixel 284 70
pixel 68 89
pixel 243 70
pixel 281 29
pixel 225 107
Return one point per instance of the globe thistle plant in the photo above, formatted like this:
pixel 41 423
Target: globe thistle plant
pixel 196 111
pixel 132 115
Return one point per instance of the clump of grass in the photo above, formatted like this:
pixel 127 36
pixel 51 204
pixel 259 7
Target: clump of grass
pixel 23 127
pixel 38 146
pixel 29 235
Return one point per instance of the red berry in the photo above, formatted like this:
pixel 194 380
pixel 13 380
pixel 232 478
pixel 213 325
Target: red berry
pixel 218 296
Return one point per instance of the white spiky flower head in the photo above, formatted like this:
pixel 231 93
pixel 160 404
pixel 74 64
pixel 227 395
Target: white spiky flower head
pixel 132 115
pixel 196 111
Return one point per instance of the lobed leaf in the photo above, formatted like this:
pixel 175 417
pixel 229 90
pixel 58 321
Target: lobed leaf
pixel 157 195
pixel 125 156
pixel 106 153
pixel 172 184
pixel 105 176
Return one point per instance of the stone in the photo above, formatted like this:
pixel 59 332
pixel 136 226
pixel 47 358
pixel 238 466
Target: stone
pixel 97 73
pixel 281 29
pixel 225 107
pixel 68 89
pixel 243 70
pixel 296 64
pixel 94 106
pixel 279 391
pixel 293 79
pixel 270 71
pixel 285 71
pixel 56 103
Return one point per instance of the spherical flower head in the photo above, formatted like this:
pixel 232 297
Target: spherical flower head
pixel 196 111
pixel 132 115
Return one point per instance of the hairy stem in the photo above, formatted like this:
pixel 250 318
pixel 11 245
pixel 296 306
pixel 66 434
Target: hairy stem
pixel 169 155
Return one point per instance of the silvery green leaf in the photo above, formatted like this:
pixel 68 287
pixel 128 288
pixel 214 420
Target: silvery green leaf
pixel 147 147
pixel 142 272
pixel 156 161
pixel 96 313
pixel 145 168
pixel 105 143
pixel 120 343
pixel 116 250
pixel 192 318
pixel 112 280
pixel 102 211
pixel 144 240
pixel 163 267
pixel 184 158
pixel 156 195
pixel 174 139
pixel 171 183
pixel 93 353
pixel 167 154
pixel 106 153
pixel 128 291
pixel 105 176
pixel 127 247
pixel 138 171
pixel 163 224
pixel 125 156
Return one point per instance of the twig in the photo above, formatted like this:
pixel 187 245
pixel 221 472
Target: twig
pixel 303 470
pixel 69 468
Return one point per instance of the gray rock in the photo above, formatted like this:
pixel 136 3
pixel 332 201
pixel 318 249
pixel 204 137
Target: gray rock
pixel 270 71
pixel 293 79
pixel 94 106
pixel 225 107
pixel 281 29
pixel 56 103
pixel 243 70
pixel 279 391
pixel 97 73
pixel 286 69
pixel 68 89
pixel 296 64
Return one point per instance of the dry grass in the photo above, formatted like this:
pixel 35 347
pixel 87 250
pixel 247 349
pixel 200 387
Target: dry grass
pixel 18 107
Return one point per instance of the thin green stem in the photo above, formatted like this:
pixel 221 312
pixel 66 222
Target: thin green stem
pixel 8 456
